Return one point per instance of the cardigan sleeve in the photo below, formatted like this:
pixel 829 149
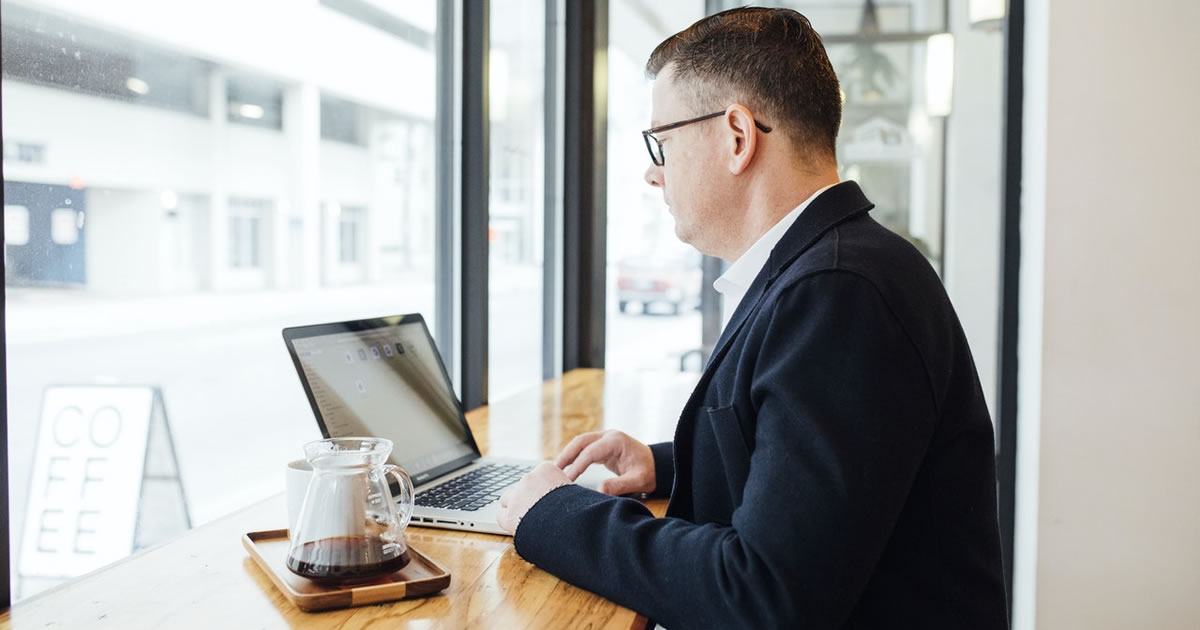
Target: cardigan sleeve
pixel 664 468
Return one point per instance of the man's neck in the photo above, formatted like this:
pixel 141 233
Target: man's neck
pixel 773 200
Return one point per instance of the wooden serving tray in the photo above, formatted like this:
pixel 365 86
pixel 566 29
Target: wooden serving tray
pixel 422 576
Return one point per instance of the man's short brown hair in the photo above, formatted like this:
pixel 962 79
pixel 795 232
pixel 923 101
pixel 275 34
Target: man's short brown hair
pixel 771 60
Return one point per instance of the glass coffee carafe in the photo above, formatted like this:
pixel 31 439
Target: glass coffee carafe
pixel 350 528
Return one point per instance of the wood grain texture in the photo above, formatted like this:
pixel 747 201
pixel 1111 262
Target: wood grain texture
pixel 205 579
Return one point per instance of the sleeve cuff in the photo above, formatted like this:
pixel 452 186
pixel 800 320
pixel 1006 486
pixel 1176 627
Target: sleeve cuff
pixel 664 468
pixel 542 522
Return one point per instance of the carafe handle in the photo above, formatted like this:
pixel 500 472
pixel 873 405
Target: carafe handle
pixel 407 494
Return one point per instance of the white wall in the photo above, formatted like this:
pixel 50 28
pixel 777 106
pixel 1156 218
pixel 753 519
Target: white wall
pixel 1108 501
pixel 109 146
pixel 105 142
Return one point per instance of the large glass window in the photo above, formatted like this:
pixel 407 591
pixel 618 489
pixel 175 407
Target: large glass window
pixel 245 232
pixel 180 186
pixel 921 133
pixel 654 280
pixel 516 199
pixel 893 114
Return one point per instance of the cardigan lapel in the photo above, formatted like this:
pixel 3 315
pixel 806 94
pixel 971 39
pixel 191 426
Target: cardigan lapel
pixel 839 203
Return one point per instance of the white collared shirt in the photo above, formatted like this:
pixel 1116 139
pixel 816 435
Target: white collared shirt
pixel 734 283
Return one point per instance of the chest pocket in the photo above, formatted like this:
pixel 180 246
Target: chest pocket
pixel 721 467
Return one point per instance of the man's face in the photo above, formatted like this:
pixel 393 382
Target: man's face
pixel 693 179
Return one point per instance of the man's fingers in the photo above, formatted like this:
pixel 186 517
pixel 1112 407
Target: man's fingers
pixel 503 520
pixel 574 447
pixel 624 484
pixel 597 451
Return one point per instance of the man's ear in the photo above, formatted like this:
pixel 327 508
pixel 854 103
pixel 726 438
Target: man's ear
pixel 742 139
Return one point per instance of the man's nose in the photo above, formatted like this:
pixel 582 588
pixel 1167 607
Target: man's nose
pixel 654 176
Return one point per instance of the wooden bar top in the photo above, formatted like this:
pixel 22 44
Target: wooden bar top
pixel 205 579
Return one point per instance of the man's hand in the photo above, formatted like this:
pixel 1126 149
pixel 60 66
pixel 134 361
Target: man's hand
pixel 632 461
pixel 517 500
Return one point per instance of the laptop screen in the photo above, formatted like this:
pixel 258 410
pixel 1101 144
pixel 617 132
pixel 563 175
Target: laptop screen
pixel 383 378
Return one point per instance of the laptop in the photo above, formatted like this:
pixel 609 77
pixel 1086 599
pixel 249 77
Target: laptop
pixel 383 377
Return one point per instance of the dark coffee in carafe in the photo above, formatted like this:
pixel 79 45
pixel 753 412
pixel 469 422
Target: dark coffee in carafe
pixel 347 558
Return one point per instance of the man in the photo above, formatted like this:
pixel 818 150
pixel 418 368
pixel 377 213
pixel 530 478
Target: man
pixel 835 465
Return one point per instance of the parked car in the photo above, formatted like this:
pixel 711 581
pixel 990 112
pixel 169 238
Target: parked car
pixel 651 280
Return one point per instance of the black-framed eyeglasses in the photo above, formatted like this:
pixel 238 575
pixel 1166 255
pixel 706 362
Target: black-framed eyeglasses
pixel 656 150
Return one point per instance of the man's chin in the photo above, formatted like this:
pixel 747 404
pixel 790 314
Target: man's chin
pixel 682 234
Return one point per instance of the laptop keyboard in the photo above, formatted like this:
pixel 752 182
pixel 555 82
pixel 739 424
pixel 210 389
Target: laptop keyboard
pixel 473 490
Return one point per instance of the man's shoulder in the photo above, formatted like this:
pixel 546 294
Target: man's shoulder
pixel 859 258
pixel 862 247
pixel 861 255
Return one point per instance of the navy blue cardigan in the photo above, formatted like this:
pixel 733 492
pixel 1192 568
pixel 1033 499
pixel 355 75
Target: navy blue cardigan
pixel 834 467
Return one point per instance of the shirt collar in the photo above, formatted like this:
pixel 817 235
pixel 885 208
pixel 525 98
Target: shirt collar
pixel 737 278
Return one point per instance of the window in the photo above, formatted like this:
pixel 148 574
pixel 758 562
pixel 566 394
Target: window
pixel 654 280
pixel 931 166
pixel 516 206
pixel 16 225
pixel 64 226
pixel 349 233
pixel 899 132
pixel 342 120
pixel 892 136
pixel 245 232
pixel 254 102
pixel 165 173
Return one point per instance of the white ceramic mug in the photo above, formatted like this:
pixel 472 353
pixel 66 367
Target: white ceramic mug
pixel 299 472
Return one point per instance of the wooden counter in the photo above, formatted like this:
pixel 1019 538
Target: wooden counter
pixel 205 579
